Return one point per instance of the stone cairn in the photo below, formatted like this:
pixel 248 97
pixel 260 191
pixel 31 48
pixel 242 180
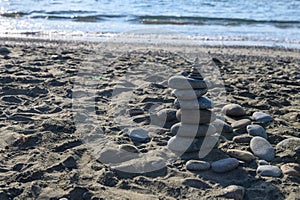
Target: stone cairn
pixel 194 132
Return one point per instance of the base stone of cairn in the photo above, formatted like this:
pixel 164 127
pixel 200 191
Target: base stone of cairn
pixel 194 132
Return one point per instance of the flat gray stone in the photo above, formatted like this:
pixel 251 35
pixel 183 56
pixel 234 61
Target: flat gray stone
pixel 195 116
pixel 268 170
pixel 185 144
pixel 139 135
pixel 241 155
pixel 225 165
pixel 262 148
pixel 188 94
pixel 241 124
pixel 233 110
pixel 200 103
pixel 262 118
pixel 181 82
pixel 191 130
pixel 244 138
pixel 197 165
pixel 256 130
pixel 222 126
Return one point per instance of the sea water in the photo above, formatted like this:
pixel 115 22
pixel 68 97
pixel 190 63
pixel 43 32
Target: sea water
pixel 250 22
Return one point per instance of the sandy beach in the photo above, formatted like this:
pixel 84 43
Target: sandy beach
pixel 56 95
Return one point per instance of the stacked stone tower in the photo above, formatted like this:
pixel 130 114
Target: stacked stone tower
pixel 195 131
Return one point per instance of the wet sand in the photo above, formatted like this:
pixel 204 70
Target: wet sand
pixel 45 154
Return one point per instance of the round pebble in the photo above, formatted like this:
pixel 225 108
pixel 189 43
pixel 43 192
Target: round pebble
pixel 191 130
pixel 257 130
pixel 189 94
pixel 262 118
pixel 241 155
pixel 139 135
pixel 233 110
pixel 262 148
pixel 181 82
pixel 268 170
pixel 195 116
pixel 291 169
pixel 225 165
pixel 200 103
pixel 197 165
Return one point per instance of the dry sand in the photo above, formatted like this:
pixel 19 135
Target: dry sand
pixel 45 154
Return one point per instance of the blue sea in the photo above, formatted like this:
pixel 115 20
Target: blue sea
pixel 248 22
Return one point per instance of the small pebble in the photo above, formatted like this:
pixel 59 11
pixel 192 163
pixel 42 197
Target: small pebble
pixel 222 127
pixel 139 135
pixel 268 170
pixel 225 165
pixel 262 148
pixel 241 124
pixel 257 130
pixel 244 138
pixel 262 162
pixel 233 110
pixel 4 51
pixel 291 169
pixel 197 165
pixel 241 155
pixel 262 118
pixel 70 162
pixel 235 192
pixel 289 143
pixel 167 115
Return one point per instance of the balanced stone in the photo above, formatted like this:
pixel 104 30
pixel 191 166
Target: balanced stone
pixel 181 82
pixel 222 127
pixel 262 148
pixel 139 135
pixel 197 165
pixel 256 130
pixel 241 155
pixel 291 169
pixel 262 118
pixel 191 130
pixel 241 124
pixel 200 103
pixel 268 170
pixel 186 144
pixel 195 116
pixel 233 110
pixel 189 94
pixel 225 165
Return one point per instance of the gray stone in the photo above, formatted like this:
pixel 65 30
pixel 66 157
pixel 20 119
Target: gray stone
pixel 262 118
pixel 241 124
pixel 244 138
pixel 235 192
pixel 241 155
pixel 289 143
pixel 4 51
pixel 195 116
pixel 233 110
pixel 262 162
pixel 188 94
pixel 262 148
pixel 166 115
pixel 181 82
pixel 257 130
pixel 225 165
pixel 200 103
pixel 291 169
pixel 222 127
pixel 185 144
pixel 197 165
pixel 191 130
pixel 139 135
pixel 268 170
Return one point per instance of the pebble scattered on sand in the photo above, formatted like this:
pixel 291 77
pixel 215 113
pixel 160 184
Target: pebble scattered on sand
pixel 225 165
pixel 244 138
pixel 139 135
pixel 235 192
pixel 262 148
pixel 233 110
pixel 241 155
pixel 197 165
pixel 167 115
pixel 222 126
pixel 262 162
pixel 4 51
pixel 268 170
pixel 262 118
pixel 256 130
pixel 291 169
pixel 289 143
pixel 241 124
